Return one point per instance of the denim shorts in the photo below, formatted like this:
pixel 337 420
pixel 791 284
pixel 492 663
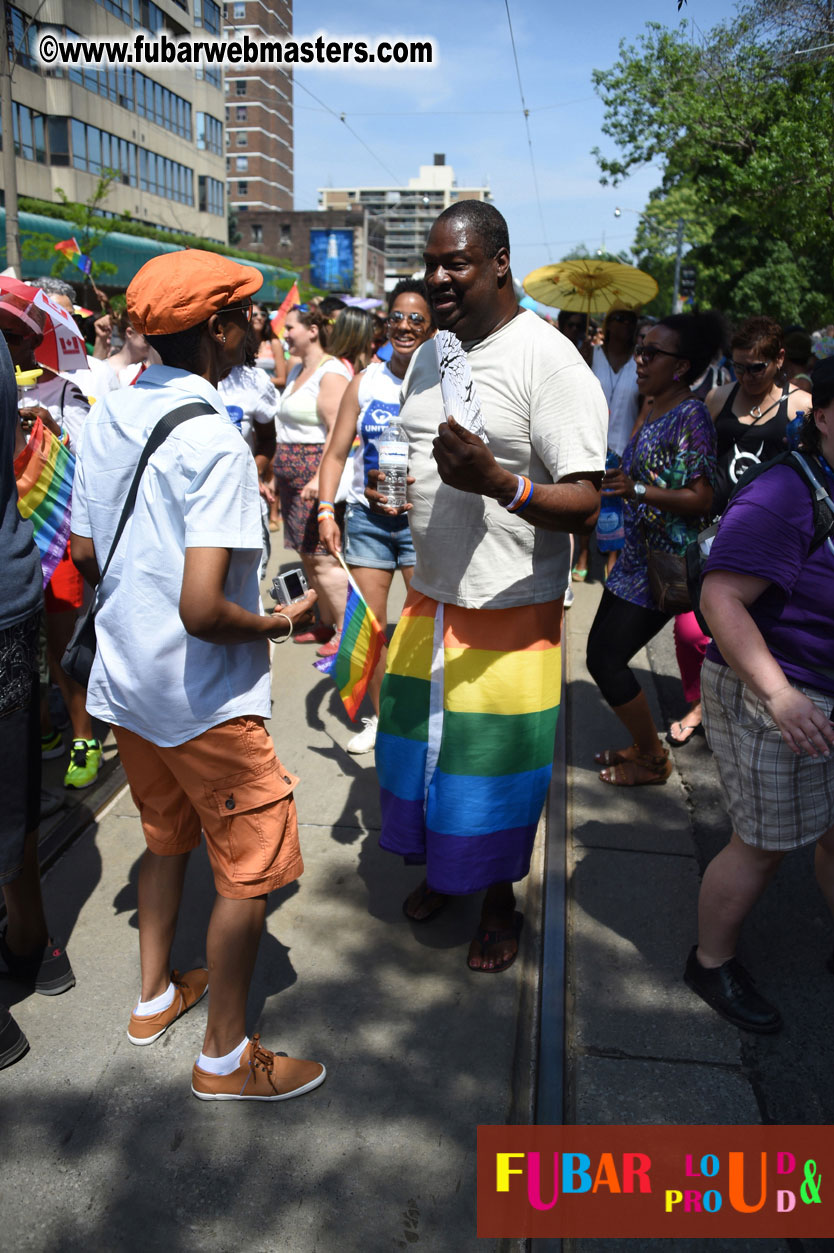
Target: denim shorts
pixel 377 541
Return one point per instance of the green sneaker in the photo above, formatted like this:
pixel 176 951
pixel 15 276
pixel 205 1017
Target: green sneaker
pixel 52 745
pixel 85 759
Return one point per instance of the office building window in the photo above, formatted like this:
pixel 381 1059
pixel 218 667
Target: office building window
pixel 243 189
pixel 210 191
pixel 211 74
pixel 242 139
pixel 145 14
pixel 57 133
pixel 210 133
pixel 239 12
pixel 207 15
pixel 29 134
pixel 242 165
pixel 257 233
pixel 240 87
pixel 240 112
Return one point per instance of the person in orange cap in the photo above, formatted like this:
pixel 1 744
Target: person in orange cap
pixel 182 662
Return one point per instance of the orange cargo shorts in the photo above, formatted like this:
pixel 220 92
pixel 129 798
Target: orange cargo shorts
pixel 229 784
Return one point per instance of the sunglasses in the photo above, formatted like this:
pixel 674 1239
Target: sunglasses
pixel 300 309
pixel 416 319
pixel 648 352
pixel 756 369
pixel 244 309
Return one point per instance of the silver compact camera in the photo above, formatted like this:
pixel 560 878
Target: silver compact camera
pixel 288 588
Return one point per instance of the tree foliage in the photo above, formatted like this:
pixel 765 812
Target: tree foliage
pixel 740 120
pixel 91 228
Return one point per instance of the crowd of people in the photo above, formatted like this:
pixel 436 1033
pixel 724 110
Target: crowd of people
pixel 197 431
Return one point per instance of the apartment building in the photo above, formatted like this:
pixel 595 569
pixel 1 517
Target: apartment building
pixel 407 212
pixel 259 125
pixel 161 131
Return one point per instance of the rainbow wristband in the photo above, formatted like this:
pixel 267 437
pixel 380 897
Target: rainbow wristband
pixel 322 504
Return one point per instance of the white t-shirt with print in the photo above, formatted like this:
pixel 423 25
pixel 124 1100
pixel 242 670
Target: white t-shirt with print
pixel 546 417
pixel 253 391
pixel 199 490
pixel 298 421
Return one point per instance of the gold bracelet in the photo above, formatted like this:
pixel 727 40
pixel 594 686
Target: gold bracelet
pixel 282 639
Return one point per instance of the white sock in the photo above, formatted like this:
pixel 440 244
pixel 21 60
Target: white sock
pixel 145 1008
pixel 223 1065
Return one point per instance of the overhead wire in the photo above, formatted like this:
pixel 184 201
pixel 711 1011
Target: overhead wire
pixel 526 113
pixel 342 117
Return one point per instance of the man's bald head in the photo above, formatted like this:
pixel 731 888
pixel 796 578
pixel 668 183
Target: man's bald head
pixel 483 224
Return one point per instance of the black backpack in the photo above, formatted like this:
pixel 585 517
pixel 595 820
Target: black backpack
pixel 813 476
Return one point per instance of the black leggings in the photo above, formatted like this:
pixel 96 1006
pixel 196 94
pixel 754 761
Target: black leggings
pixel 619 630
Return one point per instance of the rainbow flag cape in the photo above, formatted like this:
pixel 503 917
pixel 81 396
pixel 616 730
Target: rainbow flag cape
pixel 360 649
pixel 279 318
pixel 44 472
pixel 70 249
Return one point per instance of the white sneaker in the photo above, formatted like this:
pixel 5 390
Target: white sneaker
pixel 365 739
pixel 568 596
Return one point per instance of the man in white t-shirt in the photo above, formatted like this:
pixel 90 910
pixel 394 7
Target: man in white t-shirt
pixel 471 693
pixel 182 662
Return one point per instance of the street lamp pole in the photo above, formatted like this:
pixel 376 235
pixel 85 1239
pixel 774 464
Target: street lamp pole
pixel 678 251
pixel 677 283
pixel 9 161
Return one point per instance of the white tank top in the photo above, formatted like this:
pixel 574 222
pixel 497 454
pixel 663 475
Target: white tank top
pixel 379 404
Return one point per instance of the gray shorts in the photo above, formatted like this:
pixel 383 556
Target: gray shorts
pixel 777 800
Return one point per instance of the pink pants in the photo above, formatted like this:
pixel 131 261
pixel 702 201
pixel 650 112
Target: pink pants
pixel 690 647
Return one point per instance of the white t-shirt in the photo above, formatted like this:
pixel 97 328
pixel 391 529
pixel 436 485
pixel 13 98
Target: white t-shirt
pixel 65 402
pixel 379 404
pixel 96 381
pixel 622 394
pixel 252 391
pixel 298 421
pixel 199 490
pixel 546 417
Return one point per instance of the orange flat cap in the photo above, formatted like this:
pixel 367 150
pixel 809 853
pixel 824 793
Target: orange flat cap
pixel 181 289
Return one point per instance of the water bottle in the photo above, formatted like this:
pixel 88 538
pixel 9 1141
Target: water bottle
pixel 236 414
pixel 793 430
pixel 393 462
pixel 610 529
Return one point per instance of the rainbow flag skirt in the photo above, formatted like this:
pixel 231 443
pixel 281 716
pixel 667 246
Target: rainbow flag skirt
pixel 464 747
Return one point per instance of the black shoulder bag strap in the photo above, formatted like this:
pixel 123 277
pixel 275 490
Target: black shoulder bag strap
pixel 78 657
pixel 158 435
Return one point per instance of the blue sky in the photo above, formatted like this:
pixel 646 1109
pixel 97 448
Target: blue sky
pixel 467 106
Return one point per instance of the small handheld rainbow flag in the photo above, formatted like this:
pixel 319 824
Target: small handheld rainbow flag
pixel 360 649
pixel 70 249
pixel 44 472
pixel 279 318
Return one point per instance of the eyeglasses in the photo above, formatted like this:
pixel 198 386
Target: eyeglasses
pixel 648 352
pixel 416 319
pixel 756 369
pixel 246 310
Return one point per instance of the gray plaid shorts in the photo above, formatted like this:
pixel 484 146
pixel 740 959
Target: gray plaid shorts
pixel 776 799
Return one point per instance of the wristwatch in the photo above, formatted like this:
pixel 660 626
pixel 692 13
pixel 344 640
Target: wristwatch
pixel 639 490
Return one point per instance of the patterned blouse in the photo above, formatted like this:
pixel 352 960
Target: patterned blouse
pixel 670 452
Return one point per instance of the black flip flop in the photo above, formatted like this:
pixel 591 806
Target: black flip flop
pixel 679 743
pixel 485 936
pixel 432 913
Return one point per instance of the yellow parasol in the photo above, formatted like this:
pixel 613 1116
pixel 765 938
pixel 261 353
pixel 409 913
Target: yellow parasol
pixel 590 286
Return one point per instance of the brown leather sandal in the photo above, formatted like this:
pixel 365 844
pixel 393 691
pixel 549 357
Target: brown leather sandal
pixel 624 773
pixel 613 756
